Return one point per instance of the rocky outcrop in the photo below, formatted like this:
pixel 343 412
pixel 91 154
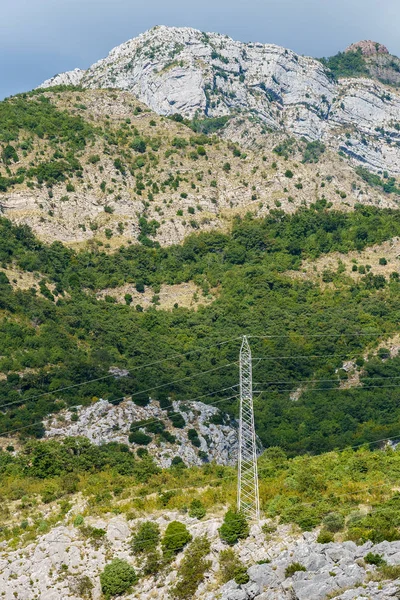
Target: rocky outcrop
pixel 368 48
pixel 103 422
pixel 182 70
pixel 329 570
pixel 65 564
pixel 68 78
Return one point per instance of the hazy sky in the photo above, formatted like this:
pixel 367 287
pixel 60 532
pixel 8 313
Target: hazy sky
pixel 39 38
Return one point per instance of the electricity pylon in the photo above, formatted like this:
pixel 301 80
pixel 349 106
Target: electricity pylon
pixel 247 495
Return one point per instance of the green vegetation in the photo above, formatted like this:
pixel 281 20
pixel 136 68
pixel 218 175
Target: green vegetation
pixel 192 569
pixel 230 567
pixel 175 538
pixel 234 528
pixel 294 568
pixel 49 337
pixel 197 509
pixel 346 64
pixel 117 578
pixel 146 538
pixel 388 184
pixel 313 151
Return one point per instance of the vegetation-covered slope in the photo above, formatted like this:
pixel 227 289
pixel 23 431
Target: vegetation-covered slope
pixel 57 339
pixel 97 166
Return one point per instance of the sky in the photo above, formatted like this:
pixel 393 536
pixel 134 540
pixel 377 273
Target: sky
pixel 39 38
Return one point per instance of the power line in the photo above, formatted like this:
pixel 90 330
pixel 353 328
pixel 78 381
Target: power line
pixel 315 335
pixel 63 389
pixel 328 389
pixel 22 401
pixel 323 380
pixel 2 434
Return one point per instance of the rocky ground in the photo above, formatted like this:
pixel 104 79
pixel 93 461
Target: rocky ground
pixel 64 564
pixel 103 422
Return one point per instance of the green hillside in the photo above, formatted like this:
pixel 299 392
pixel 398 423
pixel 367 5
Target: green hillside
pixel 60 333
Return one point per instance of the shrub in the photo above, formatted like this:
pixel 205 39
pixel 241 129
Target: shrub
pixel 139 145
pixel 333 522
pixel 177 420
pixel 117 577
pixel 241 575
pixel 78 521
pixel 175 538
pixel 383 261
pixel 194 438
pixel 227 167
pixel 146 538
pixel 192 568
pixel 230 565
pixel 325 537
pixel 293 568
pixel 288 173
pixel 197 510
pixel 139 286
pixel 234 527
pixel 138 437
pixel 374 559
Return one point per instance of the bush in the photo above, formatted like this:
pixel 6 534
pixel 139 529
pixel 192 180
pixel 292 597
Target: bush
pixel 177 420
pixel 117 577
pixel 175 538
pixel 146 538
pixel 241 575
pixel 139 286
pixel 194 438
pixel 138 437
pixel 234 527
pixel 325 537
pixel 78 521
pixel 197 510
pixel 383 261
pixel 374 559
pixel 293 568
pixel 192 568
pixel 333 522
pixel 230 566
pixel 288 173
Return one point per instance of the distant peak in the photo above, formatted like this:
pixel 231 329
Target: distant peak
pixel 368 48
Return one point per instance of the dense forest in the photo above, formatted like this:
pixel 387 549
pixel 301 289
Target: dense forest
pixel 302 330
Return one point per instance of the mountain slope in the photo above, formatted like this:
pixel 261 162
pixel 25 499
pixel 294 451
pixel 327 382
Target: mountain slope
pixel 182 70
pixel 96 165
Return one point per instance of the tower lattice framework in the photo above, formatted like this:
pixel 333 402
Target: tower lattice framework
pixel 248 495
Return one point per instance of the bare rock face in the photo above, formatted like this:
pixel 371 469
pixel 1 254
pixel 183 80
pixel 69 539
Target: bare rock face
pixel 69 78
pixel 182 70
pixel 368 48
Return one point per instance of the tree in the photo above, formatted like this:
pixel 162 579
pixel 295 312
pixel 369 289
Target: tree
pixel 234 527
pixel 175 538
pixel 197 510
pixel 117 577
pixel 146 538
pixel 138 437
pixel 192 568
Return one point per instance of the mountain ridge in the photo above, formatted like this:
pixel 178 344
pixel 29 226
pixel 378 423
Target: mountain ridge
pixel 182 70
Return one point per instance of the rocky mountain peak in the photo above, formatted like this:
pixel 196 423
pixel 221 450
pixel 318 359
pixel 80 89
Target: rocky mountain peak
pixel 368 48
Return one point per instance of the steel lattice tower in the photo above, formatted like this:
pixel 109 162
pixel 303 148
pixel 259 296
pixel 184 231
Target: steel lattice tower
pixel 247 495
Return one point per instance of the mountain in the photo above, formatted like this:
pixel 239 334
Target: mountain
pixel 182 70
pixel 184 192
